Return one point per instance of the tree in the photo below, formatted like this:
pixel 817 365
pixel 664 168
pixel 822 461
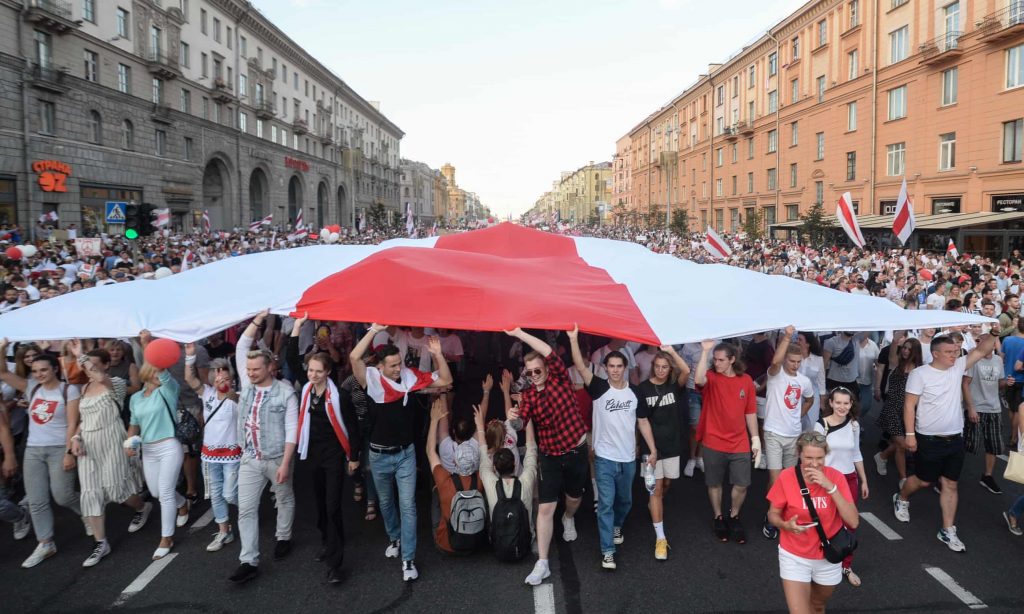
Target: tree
pixel 752 225
pixel 816 227
pixel 680 222
pixel 377 216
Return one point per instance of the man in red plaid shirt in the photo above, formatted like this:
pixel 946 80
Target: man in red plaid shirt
pixel 551 403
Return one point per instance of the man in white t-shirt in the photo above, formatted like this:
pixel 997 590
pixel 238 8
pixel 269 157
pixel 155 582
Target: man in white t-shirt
pixel 934 421
pixel 615 345
pixel 937 300
pixel 789 394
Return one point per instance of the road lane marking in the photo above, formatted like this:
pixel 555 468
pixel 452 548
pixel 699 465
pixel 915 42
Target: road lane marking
pixel 880 526
pixel 544 599
pixel 202 521
pixel 144 579
pixel 954 587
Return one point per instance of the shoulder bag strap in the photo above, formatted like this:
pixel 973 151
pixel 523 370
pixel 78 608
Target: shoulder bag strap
pixel 810 505
pixel 215 410
pixel 168 406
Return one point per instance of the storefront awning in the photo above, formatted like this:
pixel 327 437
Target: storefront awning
pixel 943 221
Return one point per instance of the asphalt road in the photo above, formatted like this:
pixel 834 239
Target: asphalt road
pixel 914 573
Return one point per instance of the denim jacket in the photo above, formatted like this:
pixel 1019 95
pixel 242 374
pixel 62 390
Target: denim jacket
pixel 272 418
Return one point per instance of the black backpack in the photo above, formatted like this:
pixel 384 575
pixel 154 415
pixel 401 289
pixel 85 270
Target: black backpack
pixel 467 524
pixel 510 524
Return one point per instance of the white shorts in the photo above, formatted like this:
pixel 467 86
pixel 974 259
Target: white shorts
pixel 798 569
pixel 762 403
pixel 667 468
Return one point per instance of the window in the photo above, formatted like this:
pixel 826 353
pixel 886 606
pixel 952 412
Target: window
pixel 852 65
pixel 229 37
pixel 206 108
pixel 161 142
pixel 1013 138
pixel 735 153
pixel 204 62
pixel 750 111
pixel 896 3
pixel 284 137
pixel 124 79
pixel 718 187
pixel 794 90
pixel 216 113
pixel 851 165
pixel 792 175
pixel 127 135
pixel 295 80
pixel 821 88
pixel 820 150
pixel 243 122
pixel 773 141
pixel 202 20
pixel 751 76
pixel 735 86
pixel 795 45
pixel 243 85
pixel 750 183
pixel 259 128
pixel 89 10
pixel 735 185
pixel 1015 65
pixel 771 179
pixel 185 103
pixel 124 26
pixel 284 72
pixel 819 192
pixel 154 42
pixel 92 61
pixel 720 95
pixel 822 32
pixel 792 212
pixel 899 44
pixel 183 6
pixel 189 148
pixel 851 116
pixel 718 157
pixel 794 134
pixel 703 162
pixel 158 91
pixel 216 29
pixel 183 56
pixel 773 64
pixel 894 158
pixel 947 151
pixel 773 101
pixel 95 127
pixel 750 148
pixel 703 189
pixel 47 117
pixel 273 133
pixel 243 47
pixel 273 67
pixel 258 91
pixel 854 13
pixel 898 102
pixel 949 86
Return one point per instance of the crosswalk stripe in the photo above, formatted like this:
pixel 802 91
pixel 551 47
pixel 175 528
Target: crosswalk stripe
pixel 880 526
pixel 954 587
pixel 202 521
pixel 544 599
pixel 144 579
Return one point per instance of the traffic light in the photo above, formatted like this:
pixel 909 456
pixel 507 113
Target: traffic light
pixel 138 220
pixel 146 220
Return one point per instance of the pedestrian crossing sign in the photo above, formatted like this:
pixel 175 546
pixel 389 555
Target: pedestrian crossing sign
pixel 115 212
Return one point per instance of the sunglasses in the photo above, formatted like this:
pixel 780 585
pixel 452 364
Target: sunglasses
pixel 533 372
pixel 812 437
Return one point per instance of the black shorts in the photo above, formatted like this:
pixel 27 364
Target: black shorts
pixel 939 456
pixel 566 473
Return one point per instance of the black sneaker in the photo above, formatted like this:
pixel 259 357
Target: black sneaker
pixel 244 573
pixel 321 554
pixel 334 575
pixel 990 484
pixel 769 530
pixel 282 548
pixel 736 531
pixel 721 529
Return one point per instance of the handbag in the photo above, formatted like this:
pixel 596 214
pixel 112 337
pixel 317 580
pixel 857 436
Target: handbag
pixel 840 545
pixel 186 427
pixel 1015 464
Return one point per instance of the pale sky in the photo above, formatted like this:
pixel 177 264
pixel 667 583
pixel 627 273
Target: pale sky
pixel 512 92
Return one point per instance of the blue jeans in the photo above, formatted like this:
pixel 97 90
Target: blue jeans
pixel 1017 510
pixel 223 488
pixel 867 397
pixel 401 468
pixel 9 510
pixel 615 483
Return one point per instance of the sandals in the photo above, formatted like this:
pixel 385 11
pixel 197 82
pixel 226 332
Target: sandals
pixel 851 577
pixel 357 493
pixel 371 510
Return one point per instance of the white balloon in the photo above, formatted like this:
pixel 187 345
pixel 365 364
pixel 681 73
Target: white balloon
pixel 333 238
pixel 162 272
pixel 28 251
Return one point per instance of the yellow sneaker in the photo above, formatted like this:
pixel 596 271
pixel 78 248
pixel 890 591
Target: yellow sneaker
pixel 661 549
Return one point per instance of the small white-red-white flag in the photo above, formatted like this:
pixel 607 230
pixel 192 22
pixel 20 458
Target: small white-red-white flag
pixel 88 270
pixel 848 219
pixel 903 220
pixel 163 217
pixel 206 222
pixel 299 223
pixel 186 260
pixel 267 221
pixel 951 251
pixel 715 245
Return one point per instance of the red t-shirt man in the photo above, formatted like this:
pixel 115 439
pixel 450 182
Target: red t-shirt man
pixel 726 403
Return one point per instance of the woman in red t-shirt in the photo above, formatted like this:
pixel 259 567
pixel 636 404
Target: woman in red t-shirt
pixel 808 579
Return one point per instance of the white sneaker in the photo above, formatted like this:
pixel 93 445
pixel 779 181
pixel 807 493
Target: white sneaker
pixel 88 527
pixel 880 465
pixel 540 573
pixel 139 518
pixel 42 552
pixel 394 549
pixel 617 537
pixel 409 572
pixel 101 550
pixel 23 526
pixel 700 463
pixel 690 466
pixel 901 508
pixel 568 529
pixel 608 562
pixel 220 540
pixel 948 537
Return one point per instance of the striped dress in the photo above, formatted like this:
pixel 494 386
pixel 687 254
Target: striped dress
pixel 106 473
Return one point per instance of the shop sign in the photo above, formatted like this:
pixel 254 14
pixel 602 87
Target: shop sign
pixel 949 204
pixel 1008 203
pixel 887 207
pixel 298 165
pixel 52 175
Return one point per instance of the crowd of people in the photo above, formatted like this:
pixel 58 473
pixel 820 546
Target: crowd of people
pixel 88 422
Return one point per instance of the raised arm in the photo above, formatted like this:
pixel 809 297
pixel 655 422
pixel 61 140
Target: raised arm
pixel 438 411
pixel 245 343
pixel 780 351
pixel 537 345
pixel 506 391
pixel 11 379
pixel 985 345
pixel 701 376
pixel 578 360
pixel 190 369
pixel 291 349
pixel 680 365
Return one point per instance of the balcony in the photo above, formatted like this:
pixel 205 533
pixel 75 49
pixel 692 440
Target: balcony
pixel 51 15
pixel 162 113
pixel 265 109
pixel 730 133
pixel 942 49
pixel 323 108
pixel 50 78
pixel 161 65
pixel 744 128
pixel 1003 25
pixel 222 93
pixel 300 127
pixel 326 139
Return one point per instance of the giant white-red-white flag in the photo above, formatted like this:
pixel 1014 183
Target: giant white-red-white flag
pixel 903 221
pixel 951 252
pixel 715 245
pixel 848 219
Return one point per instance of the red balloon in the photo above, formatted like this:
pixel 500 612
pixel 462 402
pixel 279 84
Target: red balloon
pixel 14 253
pixel 925 274
pixel 162 353
pixel 334 228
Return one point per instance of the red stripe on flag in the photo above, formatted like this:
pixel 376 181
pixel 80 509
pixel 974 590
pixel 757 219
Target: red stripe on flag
pixel 902 217
pixel 718 246
pixel 847 212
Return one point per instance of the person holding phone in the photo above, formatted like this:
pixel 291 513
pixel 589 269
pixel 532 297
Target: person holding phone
pixel 808 579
